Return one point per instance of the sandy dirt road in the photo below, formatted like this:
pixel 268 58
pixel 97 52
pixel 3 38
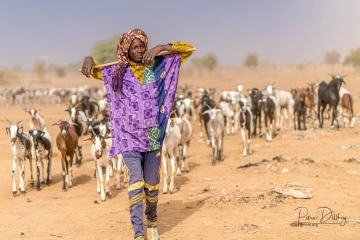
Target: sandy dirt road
pixel 210 202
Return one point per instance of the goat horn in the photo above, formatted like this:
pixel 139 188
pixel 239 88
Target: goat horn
pixel 8 121
pixel 208 106
pixel 206 112
pixel 73 124
pixel 344 76
pixel 78 104
pixel 18 122
pixel 174 111
pixel 56 123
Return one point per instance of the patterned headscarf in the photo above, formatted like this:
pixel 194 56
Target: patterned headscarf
pixel 123 54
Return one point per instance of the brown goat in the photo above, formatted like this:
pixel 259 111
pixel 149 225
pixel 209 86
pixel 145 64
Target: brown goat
pixel 347 109
pixel 66 141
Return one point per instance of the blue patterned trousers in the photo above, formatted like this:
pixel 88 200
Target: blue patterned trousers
pixel 144 172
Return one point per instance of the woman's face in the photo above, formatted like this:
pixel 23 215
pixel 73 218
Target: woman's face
pixel 137 50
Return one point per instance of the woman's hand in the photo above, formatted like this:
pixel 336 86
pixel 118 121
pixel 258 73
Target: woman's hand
pixel 88 66
pixel 150 54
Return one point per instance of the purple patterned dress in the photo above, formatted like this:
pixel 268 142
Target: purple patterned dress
pixel 139 112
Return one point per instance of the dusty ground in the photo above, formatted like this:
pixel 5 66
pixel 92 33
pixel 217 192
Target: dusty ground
pixel 210 202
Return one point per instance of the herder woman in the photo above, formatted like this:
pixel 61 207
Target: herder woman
pixel 140 91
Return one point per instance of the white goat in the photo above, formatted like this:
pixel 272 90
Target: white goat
pixel 186 131
pixel 284 99
pixel 36 121
pixel 216 133
pixel 229 104
pixel 100 151
pixel 118 161
pixel 21 149
pixel 170 147
pixel 186 108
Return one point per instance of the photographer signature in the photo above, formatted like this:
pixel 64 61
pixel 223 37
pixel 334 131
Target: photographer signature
pixel 327 216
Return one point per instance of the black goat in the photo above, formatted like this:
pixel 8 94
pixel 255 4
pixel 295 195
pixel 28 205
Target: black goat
pixel 256 108
pixel 90 108
pixel 246 121
pixel 207 103
pixel 328 94
pixel 43 150
pixel 269 107
pixel 300 109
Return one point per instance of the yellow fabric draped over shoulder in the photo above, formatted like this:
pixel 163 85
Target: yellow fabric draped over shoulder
pixel 97 72
pixel 182 47
pixel 138 69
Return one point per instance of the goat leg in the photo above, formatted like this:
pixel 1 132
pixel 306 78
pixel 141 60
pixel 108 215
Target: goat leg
pixel 164 166
pixel 22 175
pixel 178 163
pixel 64 172
pixel 30 156
pixel 299 120
pixel 48 161
pixel 42 177
pixel 173 171
pixel 243 137
pixel 213 156
pixel 107 180
pixel 335 116
pixel 38 173
pixel 185 147
pixel 101 181
pixel 14 191
pixel 79 155
pixel 70 180
pixel 254 122
pixel 260 134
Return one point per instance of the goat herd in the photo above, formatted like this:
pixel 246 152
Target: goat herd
pixel 234 111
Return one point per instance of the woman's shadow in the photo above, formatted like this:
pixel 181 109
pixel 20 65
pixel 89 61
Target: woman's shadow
pixel 173 212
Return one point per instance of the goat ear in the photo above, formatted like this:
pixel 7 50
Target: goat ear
pixel 42 134
pixel 343 81
pixel 67 110
pixel 7 130
pixel 31 132
pixel 22 129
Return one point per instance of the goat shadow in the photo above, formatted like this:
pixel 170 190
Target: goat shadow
pixel 171 213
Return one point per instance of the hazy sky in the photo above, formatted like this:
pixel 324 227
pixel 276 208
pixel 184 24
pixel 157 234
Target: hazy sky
pixel 282 31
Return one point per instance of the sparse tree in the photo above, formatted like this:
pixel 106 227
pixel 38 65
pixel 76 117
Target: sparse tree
pixel 60 72
pixel 209 61
pixel 353 58
pixel 40 68
pixel 332 57
pixel 251 60
pixel 105 51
